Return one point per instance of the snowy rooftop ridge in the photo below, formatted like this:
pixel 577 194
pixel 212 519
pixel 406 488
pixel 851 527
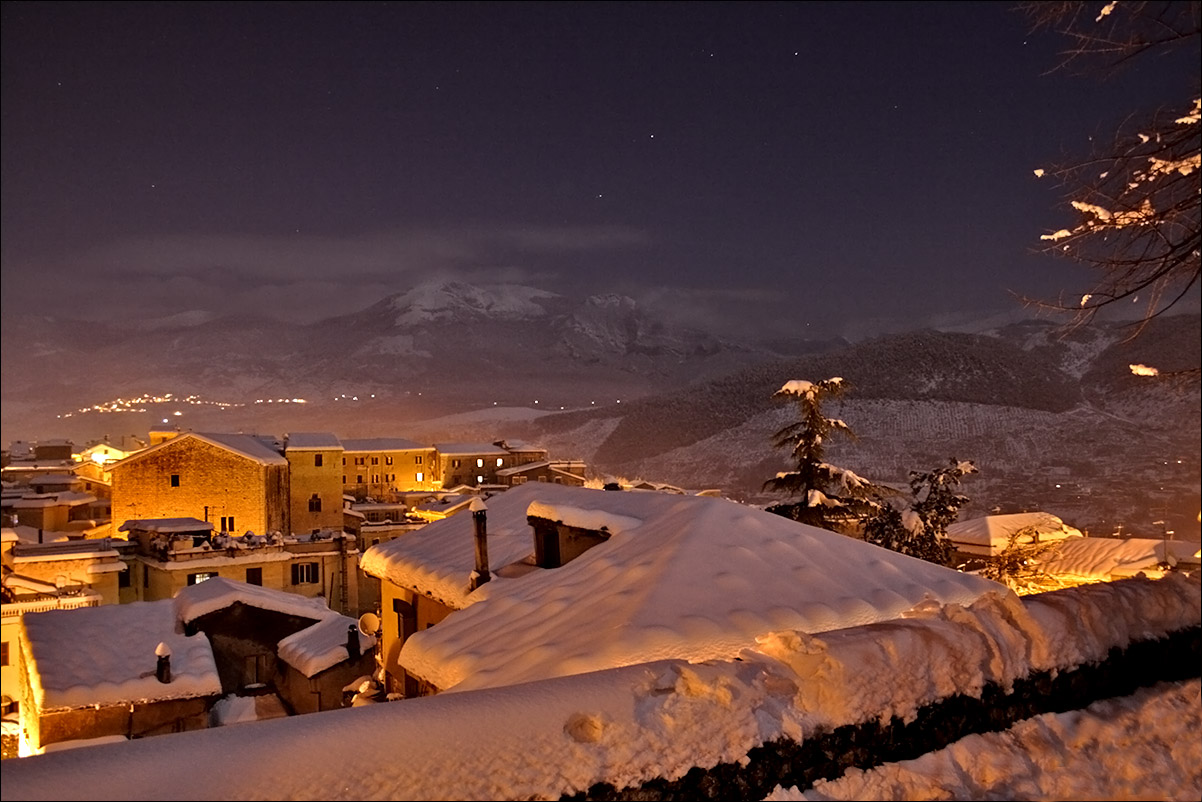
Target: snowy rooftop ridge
pixel 106 655
pixel 217 593
pixel 687 577
pixel 628 725
pixel 323 645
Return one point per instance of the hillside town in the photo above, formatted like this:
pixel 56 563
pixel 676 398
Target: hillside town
pixel 190 580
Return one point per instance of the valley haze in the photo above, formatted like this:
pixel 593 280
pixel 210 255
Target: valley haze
pixel 1054 419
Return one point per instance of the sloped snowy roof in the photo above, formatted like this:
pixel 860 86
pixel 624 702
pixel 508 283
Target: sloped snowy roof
pixel 382 444
pixel 106 655
pixel 243 444
pixel 65 499
pixel 313 441
pixel 217 593
pixel 1101 558
pixel 991 534
pixel 166 525
pixel 323 645
pixel 472 449
pixel 685 577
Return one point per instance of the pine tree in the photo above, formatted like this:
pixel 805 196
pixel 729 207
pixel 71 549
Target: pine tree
pixel 825 495
pixel 921 530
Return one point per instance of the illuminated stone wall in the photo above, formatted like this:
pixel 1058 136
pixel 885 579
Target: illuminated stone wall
pixel 214 482
pixel 307 480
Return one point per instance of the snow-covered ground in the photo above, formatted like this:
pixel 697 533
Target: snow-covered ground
pixel 1143 746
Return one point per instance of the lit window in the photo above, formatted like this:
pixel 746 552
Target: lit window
pixel 196 579
pixel 479 480
pixel 500 461
pixel 421 477
pixel 479 463
pixel 304 573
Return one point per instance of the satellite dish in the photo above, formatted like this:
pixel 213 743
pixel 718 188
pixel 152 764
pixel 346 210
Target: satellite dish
pixel 369 624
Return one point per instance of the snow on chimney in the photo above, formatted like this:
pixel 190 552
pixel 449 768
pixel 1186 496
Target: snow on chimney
pixel 480 521
pixel 162 671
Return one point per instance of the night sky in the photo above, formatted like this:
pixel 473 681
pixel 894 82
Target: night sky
pixel 811 167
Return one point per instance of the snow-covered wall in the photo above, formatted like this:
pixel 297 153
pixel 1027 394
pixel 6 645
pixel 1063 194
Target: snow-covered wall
pixel 796 707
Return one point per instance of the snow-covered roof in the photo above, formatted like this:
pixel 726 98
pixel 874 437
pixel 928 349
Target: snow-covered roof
pixel 57 479
pixel 991 534
pixel 217 593
pixel 245 445
pixel 525 466
pixel 382 444
pixel 65 499
pixel 313 441
pixel 106 655
pixel 166 525
pixel 1101 558
pixel 470 449
pixel 679 577
pixel 323 645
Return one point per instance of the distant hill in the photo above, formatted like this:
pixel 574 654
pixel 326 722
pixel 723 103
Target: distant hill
pixel 1053 419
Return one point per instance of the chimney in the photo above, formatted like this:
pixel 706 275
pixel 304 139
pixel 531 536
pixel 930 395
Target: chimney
pixel 162 671
pixel 480 521
pixel 352 642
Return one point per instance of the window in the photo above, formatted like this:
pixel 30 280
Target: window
pixel 419 476
pixel 123 578
pixel 358 460
pixel 358 478
pixel 388 460
pixel 344 460
pixel 519 480
pixel 4 654
pixel 454 463
pixel 375 460
pixel 375 478
pixel 500 461
pixel 145 576
pixel 317 460
pixel 175 480
pixel 344 478
pixel 304 573
pixel 196 579
pixel 227 523
pixel 315 503
pixel 479 480
pixel 254 576
pixel 479 463
pixel 417 460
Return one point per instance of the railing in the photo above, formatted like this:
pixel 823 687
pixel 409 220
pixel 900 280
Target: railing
pixel 41 605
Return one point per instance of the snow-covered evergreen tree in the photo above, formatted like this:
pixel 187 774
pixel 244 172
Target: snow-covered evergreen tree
pixel 822 494
pixel 921 529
